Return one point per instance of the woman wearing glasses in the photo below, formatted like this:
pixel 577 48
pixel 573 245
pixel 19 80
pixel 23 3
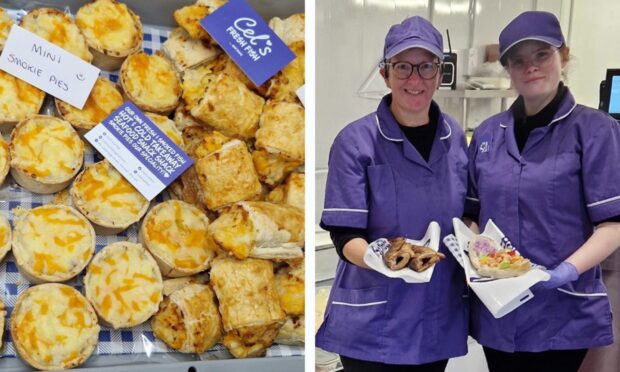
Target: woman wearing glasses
pixel 546 172
pixel 391 173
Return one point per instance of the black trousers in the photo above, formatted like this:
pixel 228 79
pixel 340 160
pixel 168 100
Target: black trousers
pixel 356 365
pixel 546 361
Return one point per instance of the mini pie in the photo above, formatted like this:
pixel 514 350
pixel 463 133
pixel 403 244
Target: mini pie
pixel 227 175
pixel 230 107
pixel 46 153
pixel 248 303
pixel 168 127
pixel 188 320
pixel 54 327
pixel 5 238
pixel 5 27
pixel 102 101
pixel 52 243
pixel 151 82
pixel 58 28
pixel 112 32
pixel 260 229
pixel 107 199
pixel 175 233
pixel 18 100
pixel 5 163
pixel 124 285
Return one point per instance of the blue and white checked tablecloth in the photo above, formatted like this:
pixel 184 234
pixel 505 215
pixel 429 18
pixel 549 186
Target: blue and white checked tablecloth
pixel 136 340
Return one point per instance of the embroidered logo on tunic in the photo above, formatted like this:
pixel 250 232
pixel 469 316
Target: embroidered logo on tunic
pixel 484 147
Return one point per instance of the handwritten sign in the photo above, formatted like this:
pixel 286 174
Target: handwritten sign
pixel 48 67
pixel 248 40
pixel 139 150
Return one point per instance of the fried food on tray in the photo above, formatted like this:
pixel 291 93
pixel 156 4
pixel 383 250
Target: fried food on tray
pixel 248 303
pixel 402 254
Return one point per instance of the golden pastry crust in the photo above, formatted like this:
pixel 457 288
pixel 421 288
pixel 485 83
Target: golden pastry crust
pixel 173 284
pixel 225 65
pixel 46 153
pixel 52 243
pixel 186 52
pixel 112 31
pixel 195 82
pixel 175 233
pixel 2 318
pixel 58 28
pixel 227 175
pixel 102 101
pixel 291 29
pixel 293 331
pixel 230 107
pixel 124 285
pixel 5 27
pixel 167 126
pixel 151 82
pixel 290 290
pixel 107 199
pixel 291 192
pixel 188 320
pixel 273 168
pixel 18 100
pixel 189 18
pixel 248 303
pixel 283 86
pixel 5 162
pixel 54 327
pixel 6 239
pixel 260 229
pixel 183 118
pixel 282 130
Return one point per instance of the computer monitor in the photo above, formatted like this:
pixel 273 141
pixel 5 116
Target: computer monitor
pixel 611 102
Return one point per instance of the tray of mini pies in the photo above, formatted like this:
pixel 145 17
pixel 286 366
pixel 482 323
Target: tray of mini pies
pixel 213 266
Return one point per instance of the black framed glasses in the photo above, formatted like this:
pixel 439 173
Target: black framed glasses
pixel 404 70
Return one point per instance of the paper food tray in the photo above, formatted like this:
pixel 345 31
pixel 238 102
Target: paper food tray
pixel 430 239
pixel 500 296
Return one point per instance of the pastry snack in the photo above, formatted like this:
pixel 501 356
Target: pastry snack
pixel 189 18
pixel 260 229
pixel 5 27
pixel 291 192
pixel 290 29
pixel 102 101
pixel 273 168
pixel 6 238
pixel 151 82
pixel 293 331
pixel 53 327
pixel 229 106
pixel 283 85
pixel 46 153
pixel 58 28
pixel 290 288
pixel 248 303
pixel 5 163
pixel 107 199
pixel 124 285
pixel 175 233
pixel 167 126
pixel 489 259
pixel 227 175
pixel 188 320
pixel 112 31
pixel 18 101
pixel 185 52
pixel 52 243
pixel 401 254
pixel 2 318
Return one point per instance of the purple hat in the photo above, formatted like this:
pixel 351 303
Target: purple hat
pixel 531 25
pixel 414 32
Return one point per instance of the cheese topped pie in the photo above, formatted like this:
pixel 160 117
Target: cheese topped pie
pixel 18 100
pixel 46 153
pixel 5 27
pixel 151 82
pixel 107 199
pixel 5 238
pixel 58 28
pixel 52 243
pixel 54 327
pixel 175 233
pixel 124 285
pixel 104 98
pixel 112 32
pixel 4 159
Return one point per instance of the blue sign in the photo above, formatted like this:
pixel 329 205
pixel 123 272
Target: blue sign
pixel 248 40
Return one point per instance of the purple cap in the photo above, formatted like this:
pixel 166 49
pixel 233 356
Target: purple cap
pixel 414 32
pixel 531 25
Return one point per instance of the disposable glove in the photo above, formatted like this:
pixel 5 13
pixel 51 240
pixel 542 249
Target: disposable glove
pixel 564 273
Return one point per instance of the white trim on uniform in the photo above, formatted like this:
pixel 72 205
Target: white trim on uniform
pixel 563 116
pixel 449 131
pixel 503 125
pixel 359 305
pixel 345 210
pixel 383 134
pixel 603 201
pixel 472 199
pixel 582 294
